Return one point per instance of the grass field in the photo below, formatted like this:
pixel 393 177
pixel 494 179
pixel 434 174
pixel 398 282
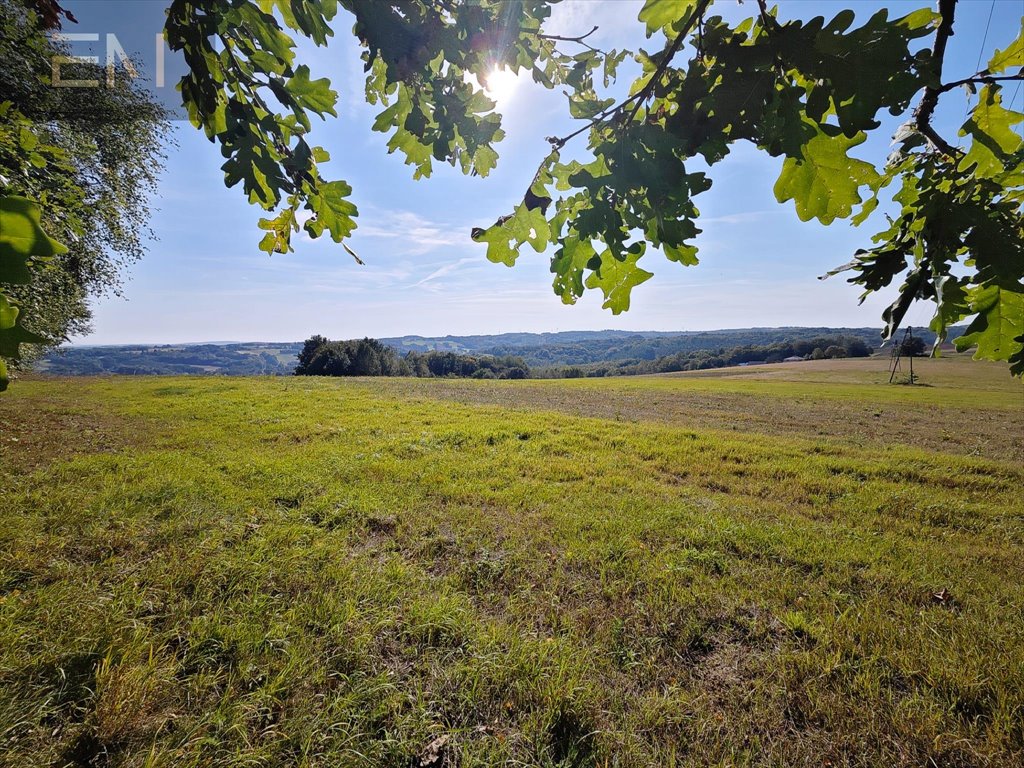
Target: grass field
pixel 786 565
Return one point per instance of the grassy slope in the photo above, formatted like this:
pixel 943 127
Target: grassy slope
pixel 322 572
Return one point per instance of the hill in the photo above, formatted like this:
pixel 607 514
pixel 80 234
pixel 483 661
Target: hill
pixel 539 350
pixel 230 359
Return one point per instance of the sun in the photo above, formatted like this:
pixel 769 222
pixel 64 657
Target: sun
pixel 500 84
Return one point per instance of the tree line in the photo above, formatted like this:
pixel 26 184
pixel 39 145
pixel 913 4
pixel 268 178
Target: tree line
pixel 321 356
pixel 806 349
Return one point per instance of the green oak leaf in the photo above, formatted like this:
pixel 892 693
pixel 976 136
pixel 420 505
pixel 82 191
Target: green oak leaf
pixel 503 240
pixel 252 163
pixel 951 306
pixel 617 279
pixel 315 95
pixel 22 238
pixel 664 14
pixel 824 184
pixel 1016 360
pixel 12 333
pixel 528 225
pixel 684 254
pixel 263 31
pixel 568 265
pixel 993 137
pixel 1011 56
pixel 8 313
pixel 333 212
pixel 416 153
pixel 485 160
pixel 999 325
pixel 499 249
pixel 279 232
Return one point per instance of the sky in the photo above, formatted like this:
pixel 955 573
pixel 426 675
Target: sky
pixel 204 278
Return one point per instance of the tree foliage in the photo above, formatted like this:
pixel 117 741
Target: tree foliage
pixel 370 357
pixel 76 171
pixel 359 357
pixel 913 347
pixel 721 357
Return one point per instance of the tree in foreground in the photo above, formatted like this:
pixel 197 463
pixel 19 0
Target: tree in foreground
pixel 808 91
pixel 76 167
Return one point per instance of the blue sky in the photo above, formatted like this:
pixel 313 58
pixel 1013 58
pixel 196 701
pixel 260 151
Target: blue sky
pixel 205 279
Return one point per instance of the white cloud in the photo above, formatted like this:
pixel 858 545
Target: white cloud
pixel 742 217
pixel 415 234
pixel 447 269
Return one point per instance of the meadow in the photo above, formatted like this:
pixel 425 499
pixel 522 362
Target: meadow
pixel 791 565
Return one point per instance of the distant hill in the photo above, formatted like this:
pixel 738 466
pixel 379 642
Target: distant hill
pixel 584 347
pixel 242 359
pixel 539 350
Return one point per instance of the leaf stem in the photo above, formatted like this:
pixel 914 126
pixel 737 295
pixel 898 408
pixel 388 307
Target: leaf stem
pixel 767 20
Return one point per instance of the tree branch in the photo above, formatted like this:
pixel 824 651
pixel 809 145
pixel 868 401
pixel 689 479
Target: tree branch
pixel 930 99
pixel 643 94
pixel 640 96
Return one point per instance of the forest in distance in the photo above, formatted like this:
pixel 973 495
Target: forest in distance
pixel 567 354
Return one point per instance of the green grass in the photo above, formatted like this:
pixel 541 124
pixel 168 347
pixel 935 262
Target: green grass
pixel 199 572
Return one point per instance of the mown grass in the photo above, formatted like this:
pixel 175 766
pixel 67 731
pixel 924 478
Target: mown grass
pixel 961 406
pixel 323 572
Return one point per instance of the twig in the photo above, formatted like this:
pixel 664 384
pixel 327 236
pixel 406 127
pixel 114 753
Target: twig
pixel 930 99
pixel 980 78
pixel 644 92
pixel 558 143
pixel 578 39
